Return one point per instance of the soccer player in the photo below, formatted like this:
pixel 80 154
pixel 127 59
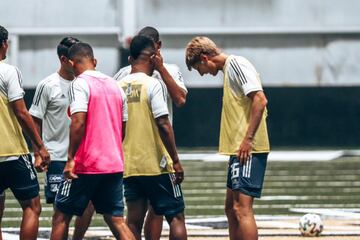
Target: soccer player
pixel 94 168
pixel 49 110
pixel 243 131
pixel 170 75
pixel 16 168
pixel 50 113
pixel 153 171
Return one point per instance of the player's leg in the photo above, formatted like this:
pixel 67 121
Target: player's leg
pixel 247 229
pixel 246 183
pixel 2 206
pixel 118 227
pixel 177 226
pixel 166 199
pixel 230 214
pixel 136 210
pixel 60 225
pixel 72 199
pixel 153 225
pixel 30 218
pixel 25 187
pixel 229 204
pixel 137 204
pixel 82 223
pixel 109 201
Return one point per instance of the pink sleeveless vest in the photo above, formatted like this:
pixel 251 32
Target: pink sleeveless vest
pixel 100 150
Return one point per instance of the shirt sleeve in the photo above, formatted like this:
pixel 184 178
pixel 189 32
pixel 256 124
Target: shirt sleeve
pixel 243 77
pixel 125 106
pixel 15 90
pixel 79 93
pixel 178 77
pixel 123 72
pixel 40 101
pixel 157 98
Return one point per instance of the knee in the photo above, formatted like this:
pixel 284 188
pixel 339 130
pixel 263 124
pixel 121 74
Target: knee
pixel 35 208
pixel 242 212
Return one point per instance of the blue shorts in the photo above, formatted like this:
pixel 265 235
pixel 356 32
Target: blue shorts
pixel 20 176
pixel 54 176
pixel 165 196
pixel 248 178
pixel 104 190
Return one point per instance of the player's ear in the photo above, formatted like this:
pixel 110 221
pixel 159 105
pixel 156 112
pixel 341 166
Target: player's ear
pixel 204 58
pixel 94 62
pixel 159 43
pixel 130 59
pixel 72 63
pixel 63 59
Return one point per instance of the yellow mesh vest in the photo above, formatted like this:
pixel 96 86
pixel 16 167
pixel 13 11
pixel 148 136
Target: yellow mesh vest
pixel 143 148
pixel 12 139
pixel 235 118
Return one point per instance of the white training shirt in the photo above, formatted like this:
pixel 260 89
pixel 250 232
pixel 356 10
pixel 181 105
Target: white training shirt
pixel 80 95
pixel 242 75
pixel 10 87
pixel 157 94
pixel 11 82
pixel 173 70
pixel 50 104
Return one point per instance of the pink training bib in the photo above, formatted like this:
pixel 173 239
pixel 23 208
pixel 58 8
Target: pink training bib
pixel 100 150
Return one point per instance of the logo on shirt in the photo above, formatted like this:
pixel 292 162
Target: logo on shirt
pixel 133 92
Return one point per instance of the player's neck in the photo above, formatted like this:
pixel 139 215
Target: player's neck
pixel 220 60
pixel 66 74
pixel 2 55
pixel 141 68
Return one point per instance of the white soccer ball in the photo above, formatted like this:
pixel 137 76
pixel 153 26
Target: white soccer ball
pixel 310 225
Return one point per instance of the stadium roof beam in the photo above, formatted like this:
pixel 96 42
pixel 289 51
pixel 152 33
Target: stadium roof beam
pixel 260 30
pixel 35 31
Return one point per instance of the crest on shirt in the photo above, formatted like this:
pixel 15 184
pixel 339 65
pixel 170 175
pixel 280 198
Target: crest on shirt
pixel 133 92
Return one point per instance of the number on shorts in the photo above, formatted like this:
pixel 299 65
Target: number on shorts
pixel 234 170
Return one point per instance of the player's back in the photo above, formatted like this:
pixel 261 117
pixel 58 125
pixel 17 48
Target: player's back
pixel 143 147
pixel 10 130
pixel 100 150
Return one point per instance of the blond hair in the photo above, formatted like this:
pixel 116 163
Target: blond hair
pixel 196 47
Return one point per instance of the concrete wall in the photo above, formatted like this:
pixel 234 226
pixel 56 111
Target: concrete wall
pixel 292 43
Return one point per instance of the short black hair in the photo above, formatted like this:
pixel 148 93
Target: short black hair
pixel 150 32
pixel 81 50
pixel 4 34
pixel 139 44
pixel 64 46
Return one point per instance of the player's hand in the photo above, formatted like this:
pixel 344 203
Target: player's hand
pixel 44 155
pixel 179 173
pixel 158 60
pixel 69 169
pixel 38 163
pixel 244 153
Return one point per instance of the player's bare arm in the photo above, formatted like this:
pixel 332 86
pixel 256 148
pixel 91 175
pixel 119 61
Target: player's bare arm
pixel 258 106
pixel 38 161
pixel 28 126
pixel 77 130
pixel 123 130
pixel 167 136
pixel 177 94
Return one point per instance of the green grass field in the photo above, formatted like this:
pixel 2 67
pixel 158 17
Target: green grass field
pixel 328 184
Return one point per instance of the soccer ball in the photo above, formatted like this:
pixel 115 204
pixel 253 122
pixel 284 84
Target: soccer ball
pixel 310 225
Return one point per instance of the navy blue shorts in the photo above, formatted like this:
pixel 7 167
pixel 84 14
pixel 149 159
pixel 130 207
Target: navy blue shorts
pixel 104 190
pixel 165 196
pixel 247 178
pixel 20 176
pixel 54 176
